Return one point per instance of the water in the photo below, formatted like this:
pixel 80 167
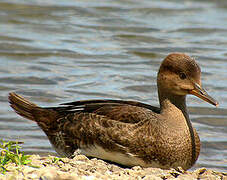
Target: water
pixel 58 51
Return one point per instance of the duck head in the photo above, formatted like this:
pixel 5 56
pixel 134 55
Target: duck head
pixel 180 75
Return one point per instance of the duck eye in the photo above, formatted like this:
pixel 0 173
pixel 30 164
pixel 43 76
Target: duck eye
pixel 182 75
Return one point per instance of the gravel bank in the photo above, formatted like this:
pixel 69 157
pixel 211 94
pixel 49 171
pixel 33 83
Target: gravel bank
pixel 80 167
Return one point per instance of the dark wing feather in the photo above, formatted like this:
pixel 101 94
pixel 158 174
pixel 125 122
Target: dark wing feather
pixel 118 110
pixel 101 102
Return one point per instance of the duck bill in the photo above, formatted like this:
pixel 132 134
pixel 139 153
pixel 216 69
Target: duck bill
pixel 202 94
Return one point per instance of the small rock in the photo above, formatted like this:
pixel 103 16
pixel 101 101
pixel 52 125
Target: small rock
pixel 49 173
pixel 200 171
pixel 80 158
pixel 137 168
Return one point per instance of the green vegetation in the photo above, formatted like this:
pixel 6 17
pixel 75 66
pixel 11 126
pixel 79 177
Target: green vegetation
pixel 10 153
pixel 56 160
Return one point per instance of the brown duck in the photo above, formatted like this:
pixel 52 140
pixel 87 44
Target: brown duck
pixel 128 132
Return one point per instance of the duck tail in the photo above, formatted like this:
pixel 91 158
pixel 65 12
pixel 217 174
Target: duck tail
pixel 22 106
pixel 31 111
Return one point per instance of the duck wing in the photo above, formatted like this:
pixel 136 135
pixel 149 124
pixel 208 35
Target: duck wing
pixel 118 110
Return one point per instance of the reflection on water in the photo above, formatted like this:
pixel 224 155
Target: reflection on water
pixel 59 51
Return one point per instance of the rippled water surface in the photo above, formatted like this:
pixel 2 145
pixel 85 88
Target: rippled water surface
pixel 57 51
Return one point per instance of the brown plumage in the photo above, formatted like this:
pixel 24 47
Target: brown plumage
pixel 128 132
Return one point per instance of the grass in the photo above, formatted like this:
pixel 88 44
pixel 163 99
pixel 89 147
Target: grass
pixel 10 153
pixel 56 160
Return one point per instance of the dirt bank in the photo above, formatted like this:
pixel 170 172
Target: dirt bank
pixel 80 167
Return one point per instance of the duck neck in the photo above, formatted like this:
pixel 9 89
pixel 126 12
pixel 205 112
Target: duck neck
pixel 171 103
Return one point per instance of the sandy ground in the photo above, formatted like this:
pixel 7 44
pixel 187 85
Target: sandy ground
pixel 80 167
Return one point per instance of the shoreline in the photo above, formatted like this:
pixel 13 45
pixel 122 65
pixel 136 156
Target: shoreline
pixel 80 167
